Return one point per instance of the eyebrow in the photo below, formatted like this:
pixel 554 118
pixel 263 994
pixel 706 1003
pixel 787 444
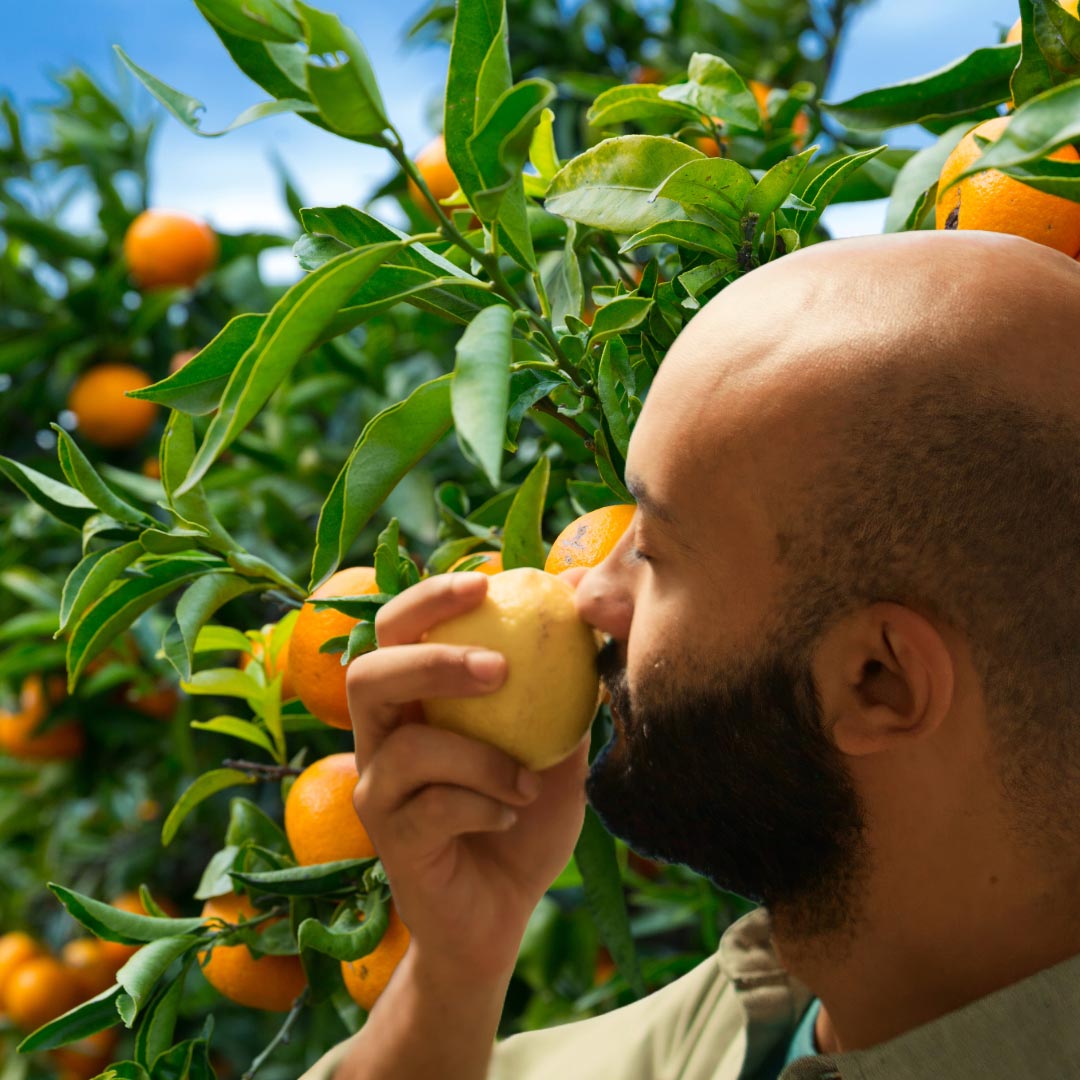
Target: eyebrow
pixel 647 502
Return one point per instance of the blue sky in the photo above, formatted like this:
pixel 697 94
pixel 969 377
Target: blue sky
pixel 230 181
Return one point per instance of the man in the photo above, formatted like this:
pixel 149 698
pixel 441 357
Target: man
pixel 844 662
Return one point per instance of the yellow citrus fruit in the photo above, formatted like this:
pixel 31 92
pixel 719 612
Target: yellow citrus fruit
pixel 589 539
pixel 995 202
pixel 439 177
pixel 549 696
pixel 319 678
pixel 106 416
pixel 85 1059
pixel 366 978
pixel 320 821
pixel 492 563
pixel 800 126
pixel 166 247
pixel 20 733
pixel 90 964
pixel 272 983
pixel 38 991
pixel 16 948
pixel 278 664
pixel 1015 33
pixel 117 953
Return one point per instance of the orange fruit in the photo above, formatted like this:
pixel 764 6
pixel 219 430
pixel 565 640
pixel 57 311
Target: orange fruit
pixel 167 247
pixel 589 539
pixel 366 978
pixel 278 665
pixel 269 982
pixel 439 177
pixel 160 703
pixel 151 468
pixel 38 991
pixel 86 1058
pixel 16 948
pixel 320 821
pixel 800 126
pixel 995 202
pixel 90 964
pixel 605 967
pixel 492 563
pixel 106 416
pixel 646 73
pixel 319 678
pixel 1015 33
pixel 117 953
pixel 19 734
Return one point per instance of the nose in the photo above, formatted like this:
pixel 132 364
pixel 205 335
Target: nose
pixel 603 599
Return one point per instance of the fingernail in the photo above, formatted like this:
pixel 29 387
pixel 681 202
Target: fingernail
pixel 484 665
pixel 528 783
pixel 465 580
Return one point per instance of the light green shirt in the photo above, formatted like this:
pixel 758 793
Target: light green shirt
pixel 724 1019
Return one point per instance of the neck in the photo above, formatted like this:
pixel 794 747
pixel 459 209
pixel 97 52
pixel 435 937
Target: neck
pixel 917 956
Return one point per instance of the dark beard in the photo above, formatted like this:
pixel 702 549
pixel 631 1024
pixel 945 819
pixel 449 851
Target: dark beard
pixel 735 778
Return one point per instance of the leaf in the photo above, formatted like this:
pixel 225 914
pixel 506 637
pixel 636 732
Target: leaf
pixel 613 185
pixel 158 1023
pixel 250 825
pixel 91 577
pixel 197 606
pixel 84 1020
pixel 290 330
pixel 222 639
pixel 820 191
pixel 358 607
pixel 345 90
pixel 1060 178
pixel 610 477
pixel 141 973
pixel 348 938
pixel 260 20
pixel 594 855
pixel 561 277
pixel 208 784
pixel 113 924
pixel 389 446
pixel 118 608
pixel 83 476
pixel 542 153
pixel 975 81
pixel 636 103
pixel 312 880
pixel 186 109
pixel 68 506
pixel 776 185
pixel 236 728
pixel 480 391
pixel 718 185
pixel 224 682
pixel 387 579
pixel 918 176
pixel 523 541
pixel 684 234
pixel 714 88
pixel 608 389
pixel 622 314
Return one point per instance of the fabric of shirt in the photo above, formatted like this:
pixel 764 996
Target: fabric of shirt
pixel 724 1019
pixel 801 1045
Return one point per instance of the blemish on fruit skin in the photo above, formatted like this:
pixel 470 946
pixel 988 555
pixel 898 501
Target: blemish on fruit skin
pixel 953 220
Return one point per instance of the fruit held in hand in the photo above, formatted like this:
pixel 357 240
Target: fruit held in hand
pixel 550 694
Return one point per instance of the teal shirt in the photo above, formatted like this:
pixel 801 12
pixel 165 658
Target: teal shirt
pixel 801 1045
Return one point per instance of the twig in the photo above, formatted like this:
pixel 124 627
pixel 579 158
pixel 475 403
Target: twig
pixel 281 1037
pixel 545 406
pixel 263 772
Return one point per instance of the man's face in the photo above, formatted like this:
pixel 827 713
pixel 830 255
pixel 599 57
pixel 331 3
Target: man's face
pixel 719 759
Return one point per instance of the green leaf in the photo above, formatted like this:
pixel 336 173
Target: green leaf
pixel 82 475
pixel 771 191
pixel 821 190
pixel 224 682
pixel 158 1023
pixel 358 607
pixel 250 825
pixel 684 234
pixel 259 20
pixel 613 185
pixel 542 153
pixel 561 276
pixel 1060 178
pixel 345 91
pixel 636 103
pixel 236 728
pixel 308 880
pixel 206 785
pixel 389 446
pixel 222 639
pixel 714 88
pixel 480 391
pixel 975 81
pixel 112 924
pixel 610 477
pixel 91 577
pixel 718 185
pixel 186 109
pixel 118 608
pixel 622 314
pixel 141 973
pixel 387 579
pixel 918 177
pixel 290 330
pixel 595 857
pixel 87 1019
pixel 68 506
pixel 523 540
pixel 607 386
pixel 348 938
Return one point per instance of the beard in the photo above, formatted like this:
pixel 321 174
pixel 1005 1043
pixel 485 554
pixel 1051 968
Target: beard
pixel 734 776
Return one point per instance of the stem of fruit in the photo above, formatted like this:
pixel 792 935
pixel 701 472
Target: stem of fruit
pixel 281 1037
pixel 263 772
pixel 546 406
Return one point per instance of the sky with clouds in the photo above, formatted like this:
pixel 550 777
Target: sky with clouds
pixel 230 180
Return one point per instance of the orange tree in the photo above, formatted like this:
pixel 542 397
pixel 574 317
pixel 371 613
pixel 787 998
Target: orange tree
pixel 555 282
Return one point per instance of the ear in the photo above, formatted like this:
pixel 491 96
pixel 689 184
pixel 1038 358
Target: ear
pixel 885 675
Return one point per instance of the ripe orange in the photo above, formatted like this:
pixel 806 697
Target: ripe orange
pixel 117 953
pixel 319 678
pixel 38 991
pixel 492 563
pixel 995 202
pixel 439 177
pixel 320 821
pixel 16 948
pixel 166 247
pixel 366 978
pixel 160 703
pixel 589 539
pixel 800 126
pixel 1015 33
pixel 19 734
pixel 90 965
pixel 274 666
pixel 151 468
pixel 106 416
pixel 86 1058
pixel 270 982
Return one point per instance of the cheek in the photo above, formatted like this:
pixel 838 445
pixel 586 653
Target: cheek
pixel 661 633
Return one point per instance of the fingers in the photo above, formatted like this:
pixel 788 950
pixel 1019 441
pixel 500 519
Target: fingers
pixel 379 683
pixel 410 614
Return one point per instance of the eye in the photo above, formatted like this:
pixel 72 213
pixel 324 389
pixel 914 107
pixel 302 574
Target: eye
pixel 637 555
